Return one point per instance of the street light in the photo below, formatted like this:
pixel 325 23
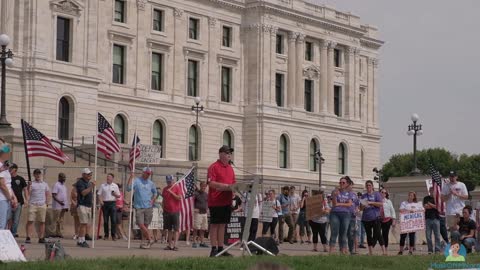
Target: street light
pixel 378 176
pixel 320 160
pixel 196 110
pixel 415 130
pixel 6 61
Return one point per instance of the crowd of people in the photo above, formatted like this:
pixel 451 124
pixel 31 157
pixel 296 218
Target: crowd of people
pixel 347 216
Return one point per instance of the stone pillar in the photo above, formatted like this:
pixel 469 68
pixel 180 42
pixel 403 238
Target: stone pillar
pixel 330 76
pixel 214 69
pixel 266 59
pixel 375 93
pixel 179 74
pixel 142 62
pixel 291 84
pixel 273 62
pixel 300 96
pixel 323 76
pixel 370 92
pixel 350 83
pixel 357 84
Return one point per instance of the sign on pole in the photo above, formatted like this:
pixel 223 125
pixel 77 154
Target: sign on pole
pixel 233 230
pixel 150 154
pixel 314 207
pixel 9 250
pixel 412 222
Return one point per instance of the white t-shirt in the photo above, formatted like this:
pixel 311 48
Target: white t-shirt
pixel 37 193
pixel 454 205
pixel 413 206
pixel 8 181
pixel 295 203
pixel 105 192
pixel 61 194
pixel 256 207
pixel 275 213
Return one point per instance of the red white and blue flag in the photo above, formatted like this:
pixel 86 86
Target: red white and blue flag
pixel 437 184
pixel 106 140
pixel 135 151
pixel 187 186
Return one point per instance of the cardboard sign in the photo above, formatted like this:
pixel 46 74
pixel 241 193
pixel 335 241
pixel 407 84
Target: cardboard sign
pixel 412 222
pixel 9 249
pixel 150 154
pixel 314 206
pixel 266 214
pixel 234 229
pixel 157 220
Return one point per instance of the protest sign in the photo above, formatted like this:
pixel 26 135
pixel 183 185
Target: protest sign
pixel 314 207
pixel 412 222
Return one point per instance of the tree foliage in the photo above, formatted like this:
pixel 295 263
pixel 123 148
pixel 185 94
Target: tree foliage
pixel 467 167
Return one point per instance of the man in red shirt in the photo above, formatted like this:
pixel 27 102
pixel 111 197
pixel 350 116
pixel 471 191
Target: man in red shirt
pixel 220 179
pixel 171 211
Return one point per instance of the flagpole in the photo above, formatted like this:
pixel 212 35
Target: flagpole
pixel 26 153
pixel 95 187
pixel 133 181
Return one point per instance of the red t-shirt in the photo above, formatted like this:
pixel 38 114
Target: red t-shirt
pixel 170 203
pixel 219 172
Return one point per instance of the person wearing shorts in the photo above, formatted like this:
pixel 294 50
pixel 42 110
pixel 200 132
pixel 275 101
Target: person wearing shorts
pixel 454 195
pixel 171 211
pixel 200 218
pixel 144 194
pixel 84 188
pixel 220 179
pixel 37 206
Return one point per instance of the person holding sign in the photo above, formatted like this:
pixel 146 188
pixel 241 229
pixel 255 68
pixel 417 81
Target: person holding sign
pixel 272 225
pixel 371 202
pixel 409 206
pixel 342 200
pixel 319 225
pixel 302 219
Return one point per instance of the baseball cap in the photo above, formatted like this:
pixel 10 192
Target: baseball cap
pixel 86 171
pixel 453 173
pixel 169 178
pixel 147 170
pixel 13 166
pixel 225 149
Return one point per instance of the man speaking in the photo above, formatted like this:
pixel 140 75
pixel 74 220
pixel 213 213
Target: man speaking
pixel 220 179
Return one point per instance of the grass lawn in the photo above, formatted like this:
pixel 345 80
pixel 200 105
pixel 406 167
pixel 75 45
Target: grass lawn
pixel 297 263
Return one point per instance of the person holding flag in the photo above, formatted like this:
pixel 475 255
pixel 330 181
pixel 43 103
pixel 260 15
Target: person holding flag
pixel 172 196
pixel 144 192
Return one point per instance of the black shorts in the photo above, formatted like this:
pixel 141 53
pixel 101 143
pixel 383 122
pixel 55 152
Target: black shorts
pixel 220 214
pixel 171 221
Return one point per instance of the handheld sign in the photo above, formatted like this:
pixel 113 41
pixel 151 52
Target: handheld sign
pixel 9 250
pixel 150 154
pixel 234 229
pixel 314 206
pixel 412 222
pixel 266 214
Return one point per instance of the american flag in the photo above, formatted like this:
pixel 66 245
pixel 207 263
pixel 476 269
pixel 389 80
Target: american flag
pixel 134 151
pixel 106 141
pixel 437 189
pixel 187 186
pixel 40 146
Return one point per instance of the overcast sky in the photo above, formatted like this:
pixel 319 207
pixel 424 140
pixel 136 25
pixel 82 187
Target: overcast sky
pixel 430 64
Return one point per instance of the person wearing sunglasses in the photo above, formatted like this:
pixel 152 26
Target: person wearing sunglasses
pixel 340 215
pixel 371 203
pixel 388 216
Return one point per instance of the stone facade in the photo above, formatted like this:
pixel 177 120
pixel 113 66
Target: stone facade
pixel 38 81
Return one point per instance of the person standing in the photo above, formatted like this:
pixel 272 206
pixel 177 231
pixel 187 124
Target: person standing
pixel 340 215
pixel 19 187
pixel 352 226
pixel 73 210
pixel 38 194
pixel 432 222
pixel 59 203
pixel 276 210
pixel 144 194
pixel 84 189
pixel 220 179
pixel 319 225
pixel 172 197
pixel 409 206
pixel 286 217
pixel 119 205
pixel 7 198
pixel 371 202
pixel 302 219
pixel 255 214
pixel 454 195
pixel 295 211
pixel 388 217
pixel 107 196
pixel 200 217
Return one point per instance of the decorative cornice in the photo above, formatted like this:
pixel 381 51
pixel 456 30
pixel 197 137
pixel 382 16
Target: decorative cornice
pixel 301 38
pixel 351 50
pixel 371 43
pixel 324 44
pixel 266 28
pixel 273 30
pixel 332 45
pixel 178 12
pixel 71 7
pixel 358 51
pixel 141 4
pixel 311 72
pixel 230 3
pixel 292 36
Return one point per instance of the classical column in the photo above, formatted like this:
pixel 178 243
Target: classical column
pixel 350 83
pixel 323 76
pixel 179 59
pixel 141 81
pixel 375 93
pixel 370 92
pixel 330 76
pixel 267 59
pixel 273 62
pixel 292 38
pixel 357 84
pixel 214 68
pixel 300 97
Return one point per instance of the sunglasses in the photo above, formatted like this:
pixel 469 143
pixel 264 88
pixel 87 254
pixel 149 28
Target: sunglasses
pixel 384 192
pixel 342 183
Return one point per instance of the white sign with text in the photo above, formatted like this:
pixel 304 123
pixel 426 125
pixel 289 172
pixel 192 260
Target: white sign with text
pixel 9 249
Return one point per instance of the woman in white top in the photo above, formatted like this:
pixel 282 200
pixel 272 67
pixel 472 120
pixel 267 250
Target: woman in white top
pixel 409 206
pixel 387 213
pixel 276 207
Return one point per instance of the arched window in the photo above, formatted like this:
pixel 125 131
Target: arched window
pixel 120 129
pixel 283 152
pixel 193 144
pixel 158 136
pixel 228 138
pixel 313 163
pixel 362 164
pixel 65 119
pixel 342 159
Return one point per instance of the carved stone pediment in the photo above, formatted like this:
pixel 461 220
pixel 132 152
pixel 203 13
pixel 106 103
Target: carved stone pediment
pixel 311 72
pixel 70 7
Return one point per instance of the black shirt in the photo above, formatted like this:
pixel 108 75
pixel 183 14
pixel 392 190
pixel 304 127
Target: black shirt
pixel 81 185
pixel 431 213
pixel 466 227
pixel 18 184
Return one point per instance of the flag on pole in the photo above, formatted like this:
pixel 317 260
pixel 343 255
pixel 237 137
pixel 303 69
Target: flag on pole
pixel 106 141
pixel 135 151
pixel 187 186
pixel 437 189
pixel 38 145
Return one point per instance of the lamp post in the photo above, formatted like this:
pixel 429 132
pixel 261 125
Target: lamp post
pixel 378 176
pixel 6 61
pixel 196 110
pixel 415 130
pixel 320 160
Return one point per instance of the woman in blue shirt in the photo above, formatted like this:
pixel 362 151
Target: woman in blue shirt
pixel 371 203
pixel 342 200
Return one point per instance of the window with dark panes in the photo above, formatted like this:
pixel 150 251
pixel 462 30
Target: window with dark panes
pixel 119 11
pixel 193 25
pixel 226 84
pixel 63 39
pixel 192 78
pixel 157 71
pixel 227 37
pixel 118 64
pixel 279 98
pixel 158 20
pixel 308 95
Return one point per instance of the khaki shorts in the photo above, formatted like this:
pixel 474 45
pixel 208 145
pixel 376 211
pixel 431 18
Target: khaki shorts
pixel 143 216
pixel 84 214
pixel 200 221
pixel 451 220
pixel 37 213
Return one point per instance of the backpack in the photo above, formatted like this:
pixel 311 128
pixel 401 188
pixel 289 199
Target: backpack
pixel 54 251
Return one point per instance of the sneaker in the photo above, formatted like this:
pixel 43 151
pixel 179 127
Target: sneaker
pixel 125 238
pixel 195 245
pixel 16 236
pixel 88 238
pixel 28 240
pixel 213 252
pixel 400 253
pixel 203 245
pixel 430 253
pixel 75 237
pixel 83 245
pixel 41 241
pixel 188 243
pixel 104 238
pixel 175 249
pixel 145 246
pixel 362 246
pixel 410 253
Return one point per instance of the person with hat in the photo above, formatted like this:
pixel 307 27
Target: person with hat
pixel 454 195
pixel 19 186
pixel 107 196
pixel 84 187
pixel 171 211
pixel 7 197
pixel 60 203
pixel 144 193
pixel 38 193
pixel 220 179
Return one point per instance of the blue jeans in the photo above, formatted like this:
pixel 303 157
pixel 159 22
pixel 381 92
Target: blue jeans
pixel 443 229
pixel 4 210
pixel 339 222
pixel 362 234
pixel 351 234
pixel 16 214
pixel 467 242
pixel 432 225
